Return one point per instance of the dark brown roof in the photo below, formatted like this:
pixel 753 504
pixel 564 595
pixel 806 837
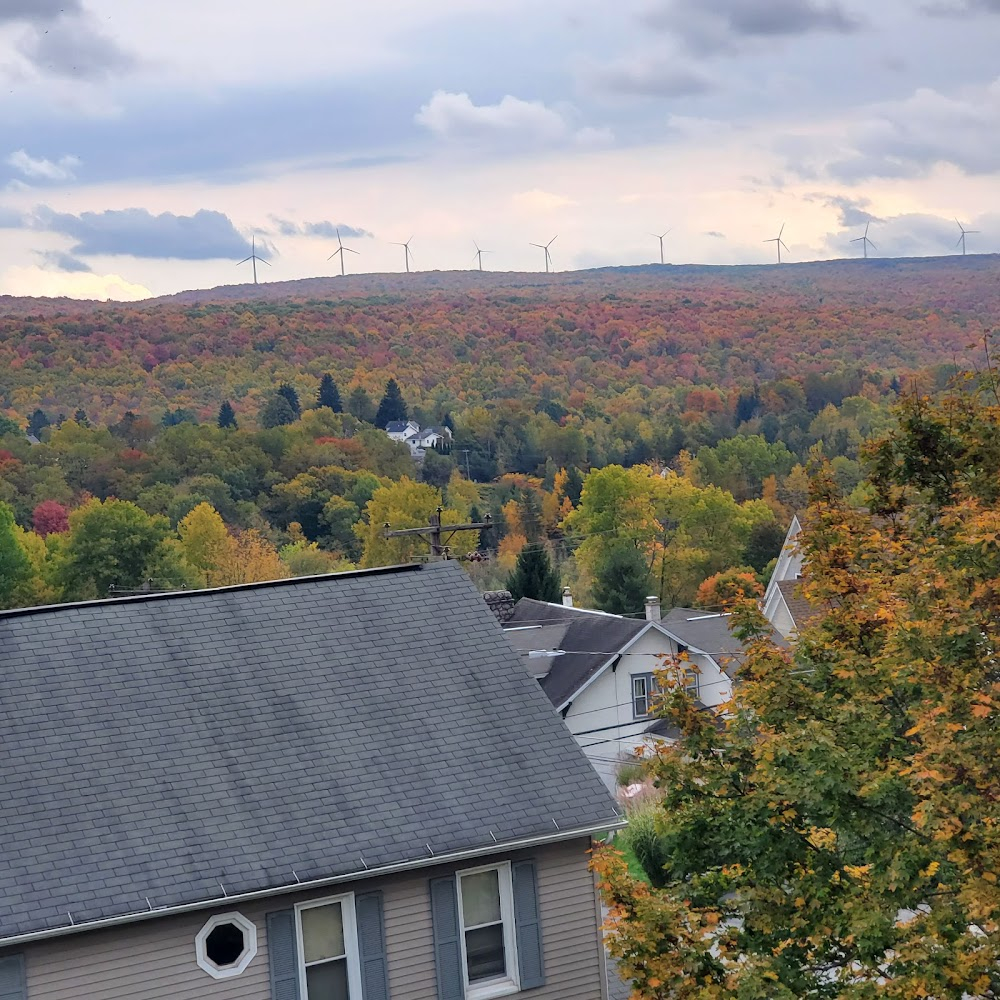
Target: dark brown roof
pixel 501 603
pixel 798 607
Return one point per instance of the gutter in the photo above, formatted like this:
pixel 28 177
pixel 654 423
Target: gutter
pixel 617 823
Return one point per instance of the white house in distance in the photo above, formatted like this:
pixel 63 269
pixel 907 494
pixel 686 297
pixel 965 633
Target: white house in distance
pixel 408 432
pixel 598 669
pixel 784 606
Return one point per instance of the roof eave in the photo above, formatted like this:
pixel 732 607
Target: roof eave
pixel 617 823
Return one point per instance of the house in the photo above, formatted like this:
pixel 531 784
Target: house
pixel 598 669
pixel 280 792
pixel 408 432
pixel 783 605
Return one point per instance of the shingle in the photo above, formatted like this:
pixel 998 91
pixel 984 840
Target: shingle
pixel 156 746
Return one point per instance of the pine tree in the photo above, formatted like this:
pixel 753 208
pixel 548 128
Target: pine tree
pixel 276 412
pixel 329 395
pixel 392 407
pixel 81 418
pixel 621 581
pixel 534 576
pixel 289 393
pixel 37 422
pixel 227 416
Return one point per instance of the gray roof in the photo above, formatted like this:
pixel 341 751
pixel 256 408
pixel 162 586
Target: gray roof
pixel 709 632
pixel 158 746
pixel 589 638
pixel 397 426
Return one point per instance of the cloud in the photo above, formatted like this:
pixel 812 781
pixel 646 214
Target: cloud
pixel 511 121
pixel 653 74
pixel 961 8
pixel 64 39
pixel 852 211
pixel 206 235
pixel 37 10
pixel 540 201
pixel 11 219
pixel 59 260
pixel 59 284
pixel 42 169
pixel 715 234
pixel 327 230
pixel 908 138
pixel 712 26
pixel 910 235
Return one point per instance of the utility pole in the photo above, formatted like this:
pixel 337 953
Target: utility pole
pixel 435 532
pixel 465 451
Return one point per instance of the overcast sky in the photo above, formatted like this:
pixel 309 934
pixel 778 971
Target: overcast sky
pixel 143 145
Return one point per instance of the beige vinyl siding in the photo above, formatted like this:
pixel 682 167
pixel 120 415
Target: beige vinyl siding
pixel 155 960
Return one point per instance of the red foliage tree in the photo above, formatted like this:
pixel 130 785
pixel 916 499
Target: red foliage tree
pixel 50 518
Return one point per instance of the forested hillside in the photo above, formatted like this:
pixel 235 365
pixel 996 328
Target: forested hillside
pixel 664 413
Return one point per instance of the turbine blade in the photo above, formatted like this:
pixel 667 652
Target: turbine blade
pixel 872 245
pixel 334 254
pixel 858 240
pixel 781 231
pixel 960 240
pixel 554 238
pixel 245 259
pixel 349 250
pixel 261 259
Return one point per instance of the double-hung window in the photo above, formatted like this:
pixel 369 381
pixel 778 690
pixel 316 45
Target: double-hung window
pixel 486 930
pixel 643 689
pixel 329 965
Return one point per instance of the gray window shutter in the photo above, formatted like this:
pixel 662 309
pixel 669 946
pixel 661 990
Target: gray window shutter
pixel 371 946
pixel 13 983
pixel 527 925
pixel 447 948
pixel 283 954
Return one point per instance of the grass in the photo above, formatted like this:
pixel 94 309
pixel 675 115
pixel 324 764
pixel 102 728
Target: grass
pixel 634 868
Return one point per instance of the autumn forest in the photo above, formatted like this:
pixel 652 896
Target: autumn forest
pixel 652 424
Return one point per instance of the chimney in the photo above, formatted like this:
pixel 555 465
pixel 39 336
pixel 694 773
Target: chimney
pixel 652 609
pixel 567 597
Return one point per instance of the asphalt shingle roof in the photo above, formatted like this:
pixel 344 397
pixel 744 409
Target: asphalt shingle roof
pixel 589 638
pixel 156 747
pixel 799 608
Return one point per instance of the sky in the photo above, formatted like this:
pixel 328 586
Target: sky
pixel 144 146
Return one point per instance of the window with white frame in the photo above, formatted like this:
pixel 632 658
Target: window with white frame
pixel 329 966
pixel 486 925
pixel 226 945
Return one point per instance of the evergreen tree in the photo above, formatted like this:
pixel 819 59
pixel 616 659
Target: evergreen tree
pixel 81 418
pixel 534 576
pixel 392 407
pixel 227 416
pixel 359 405
pixel 37 422
pixel 574 485
pixel 289 393
pixel 621 580
pixel 329 395
pixel 276 412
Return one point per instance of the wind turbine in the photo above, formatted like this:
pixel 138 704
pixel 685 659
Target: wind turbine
pixel 407 256
pixel 965 232
pixel 479 254
pixel 864 241
pixel 778 241
pixel 548 256
pixel 253 257
pixel 661 238
pixel 340 250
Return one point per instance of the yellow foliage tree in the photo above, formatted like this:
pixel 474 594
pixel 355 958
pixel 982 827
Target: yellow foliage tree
pixel 249 558
pixel 205 542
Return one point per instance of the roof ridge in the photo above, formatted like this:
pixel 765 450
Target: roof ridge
pixel 174 594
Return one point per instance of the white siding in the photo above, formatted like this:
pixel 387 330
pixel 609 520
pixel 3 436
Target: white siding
pixel 789 564
pixel 601 717
pixel 156 960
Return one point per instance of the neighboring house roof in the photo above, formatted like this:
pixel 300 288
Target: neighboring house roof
pixel 399 426
pixel 170 750
pixel 590 639
pixel 708 633
pixel 801 610
pixel 501 603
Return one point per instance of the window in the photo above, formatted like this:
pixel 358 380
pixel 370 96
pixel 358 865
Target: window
pixel 689 677
pixel 226 945
pixel 328 950
pixel 644 686
pixel 486 924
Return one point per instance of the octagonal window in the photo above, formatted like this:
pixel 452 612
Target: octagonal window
pixel 226 945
